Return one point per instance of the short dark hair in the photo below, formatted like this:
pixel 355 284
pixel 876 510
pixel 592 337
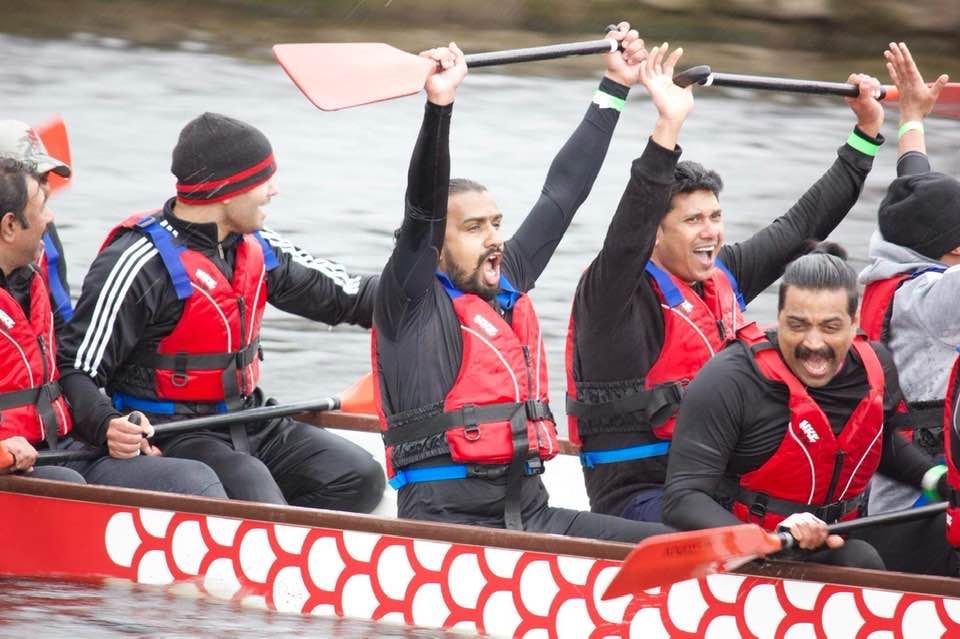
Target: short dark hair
pixel 463 185
pixel 693 176
pixel 13 188
pixel 820 271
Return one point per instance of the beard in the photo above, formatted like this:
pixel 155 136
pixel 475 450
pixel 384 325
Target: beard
pixel 471 281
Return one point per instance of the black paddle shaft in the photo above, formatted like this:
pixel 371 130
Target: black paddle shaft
pixel 210 421
pixel 894 517
pixel 703 75
pixel 532 54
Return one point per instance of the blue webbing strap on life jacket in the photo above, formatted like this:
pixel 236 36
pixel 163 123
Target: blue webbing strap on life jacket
pixel 733 283
pixel 60 297
pixel 451 471
pixel 270 260
pixel 123 401
pixel 669 290
pixel 163 240
pixel 592 458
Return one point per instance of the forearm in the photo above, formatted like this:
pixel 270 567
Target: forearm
pixel 420 237
pixel 91 409
pixel 568 182
pixel 760 260
pixel 903 461
pixel 687 508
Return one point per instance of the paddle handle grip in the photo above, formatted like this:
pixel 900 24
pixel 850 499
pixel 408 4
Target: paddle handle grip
pixel 704 76
pixel 894 517
pixel 548 52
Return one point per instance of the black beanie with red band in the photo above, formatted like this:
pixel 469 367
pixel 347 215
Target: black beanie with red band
pixel 218 157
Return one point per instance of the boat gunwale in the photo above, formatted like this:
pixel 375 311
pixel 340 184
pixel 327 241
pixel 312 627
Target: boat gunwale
pixel 460 534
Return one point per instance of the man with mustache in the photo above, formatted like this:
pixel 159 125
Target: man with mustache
pixel 786 428
pixel 457 349
pixel 664 294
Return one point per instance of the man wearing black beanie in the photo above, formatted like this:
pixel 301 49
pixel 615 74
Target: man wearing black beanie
pixel 169 324
pixel 913 284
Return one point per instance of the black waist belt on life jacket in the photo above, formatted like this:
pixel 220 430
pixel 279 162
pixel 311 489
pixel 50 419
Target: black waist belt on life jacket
pixel 180 363
pixel 470 417
pixel 42 397
pixel 760 504
pixel 653 403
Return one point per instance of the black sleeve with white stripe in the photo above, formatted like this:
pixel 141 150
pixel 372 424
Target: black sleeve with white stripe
pixel 127 298
pixel 317 288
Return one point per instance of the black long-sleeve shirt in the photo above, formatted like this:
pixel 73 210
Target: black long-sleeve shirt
pixel 619 321
pixel 419 346
pixel 733 419
pixel 128 304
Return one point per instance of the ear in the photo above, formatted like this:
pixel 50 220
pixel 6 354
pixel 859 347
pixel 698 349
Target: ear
pixel 9 227
pixel 955 251
pixel 659 236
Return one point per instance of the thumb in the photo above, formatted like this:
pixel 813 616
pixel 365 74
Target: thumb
pixel 834 541
pixel 938 86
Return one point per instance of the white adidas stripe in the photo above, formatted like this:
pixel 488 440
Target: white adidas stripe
pixel 336 272
pixel 111 296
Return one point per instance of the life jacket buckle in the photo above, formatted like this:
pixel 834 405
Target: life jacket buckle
pixel 471 429
pixel 758 510
pixel 179 379
pixel 534 466
pixel 536 410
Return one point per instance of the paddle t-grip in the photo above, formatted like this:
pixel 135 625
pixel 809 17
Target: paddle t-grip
pixel 136 417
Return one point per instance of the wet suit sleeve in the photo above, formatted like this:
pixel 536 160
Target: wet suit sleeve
pixel 316 288
pixel 759 261
pixel 708 428
pixel 126 293
pixel 912 163
pixel 410 272
pixel 569 180
pixel 611 281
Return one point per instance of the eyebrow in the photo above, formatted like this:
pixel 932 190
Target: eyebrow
pixel 482 218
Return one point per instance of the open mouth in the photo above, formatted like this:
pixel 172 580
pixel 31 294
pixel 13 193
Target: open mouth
pixel 490 269
pixel 705 255
pixel 817 365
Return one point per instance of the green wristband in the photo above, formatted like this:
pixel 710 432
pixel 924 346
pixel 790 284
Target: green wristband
pixel 930 480
pixel 607 101
pixel 864 146
pixel 910 125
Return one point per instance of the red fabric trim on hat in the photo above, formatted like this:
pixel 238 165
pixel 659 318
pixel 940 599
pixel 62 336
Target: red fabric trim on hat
pixel 233 179
pixel 223 196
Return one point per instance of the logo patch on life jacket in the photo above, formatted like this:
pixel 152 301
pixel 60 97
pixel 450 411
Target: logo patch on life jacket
pixel 7 320
pixel 485 324
pixel 809 431
pixel 686 306
pixel 204 277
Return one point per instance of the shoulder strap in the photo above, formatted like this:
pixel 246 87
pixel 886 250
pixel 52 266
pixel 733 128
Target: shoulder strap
pixel 169 251
pixel 270 260
pixel 667 288
pixel 733 284
pixel 57 289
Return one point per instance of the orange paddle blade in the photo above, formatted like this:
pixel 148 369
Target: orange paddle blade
pixel 665 559
pixel 6 459
pixel 359 397
pixel 54 136
pixel 336 76
pixel 948 105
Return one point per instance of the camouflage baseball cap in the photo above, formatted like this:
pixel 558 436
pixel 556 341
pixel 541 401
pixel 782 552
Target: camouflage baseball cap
pixel 19 141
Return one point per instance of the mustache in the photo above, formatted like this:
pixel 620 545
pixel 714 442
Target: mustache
pixel 802 352
pixel 488 254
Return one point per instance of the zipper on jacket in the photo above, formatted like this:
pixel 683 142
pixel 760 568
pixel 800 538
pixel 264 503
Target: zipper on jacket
pixel 220 249
pixel 241 342
pixel 838 466
pixel 722 330
pixel 526 359
pixel 46 372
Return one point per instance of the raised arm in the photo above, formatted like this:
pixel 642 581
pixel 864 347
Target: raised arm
pixel 916 101
pixel 409 272
pixel 575 168
pixel 613 277
pixel 759 261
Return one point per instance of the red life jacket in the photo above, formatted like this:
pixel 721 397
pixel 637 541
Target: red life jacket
pixel 951 446
pixel 813 470
pixel 212 354
pixel 875 322
pixel 694 329
pixel 497 411
pixel 31 405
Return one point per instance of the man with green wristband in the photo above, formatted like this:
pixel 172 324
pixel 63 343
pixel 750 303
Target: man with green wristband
pixel 913 284
pixel 664 294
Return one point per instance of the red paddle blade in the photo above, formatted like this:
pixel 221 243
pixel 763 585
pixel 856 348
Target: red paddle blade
pixel 667 559
pixel 948 105
pixel 359 397
pixel 337 76
pixel 54 136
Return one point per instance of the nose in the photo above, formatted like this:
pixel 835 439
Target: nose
pixel 711 229
pixel 493 237
pixel 813 339
pixel 272 188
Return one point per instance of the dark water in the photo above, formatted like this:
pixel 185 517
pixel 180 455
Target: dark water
pixel 341 178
